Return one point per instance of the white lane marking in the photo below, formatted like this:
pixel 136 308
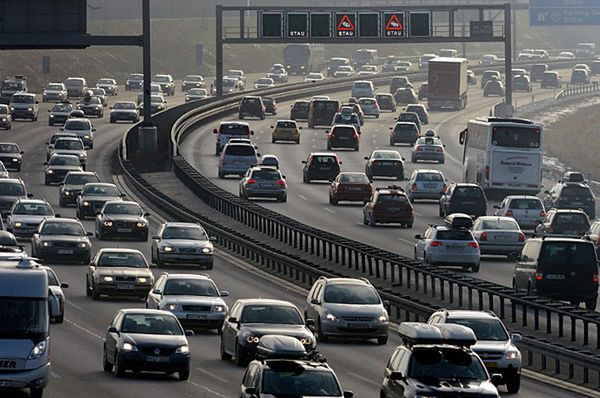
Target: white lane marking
pixel 408 242
pixel 214 376
pixel 329 210
pixel 88 331
pixel 74 305
pixel 366 380
pixel 302 197
pixel 55 375
pixel 208 389
pixel 261 132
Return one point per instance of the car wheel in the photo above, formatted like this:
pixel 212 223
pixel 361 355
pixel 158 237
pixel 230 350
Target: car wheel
pixel 365 221
pixel 101 235
pixel 59 319
pixel 372 222
pixel 283 199
pixel 305 179
pixel 221 175
pixel 36 392
pixel 513 384
pixel 240 355
pixel 440 211
pixel 334 200
pixel 409 225
pixel 106 365
pixel 88 289
pixel 382 340
pixel 158 261
pixel 475 268
pixel 322 337
pixel 224 356
pixel 95 293
pixel 112 120
pixel 184 375
pixel 298 141
pixel 117 369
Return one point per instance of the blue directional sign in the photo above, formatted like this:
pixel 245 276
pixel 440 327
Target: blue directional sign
pixel 564 12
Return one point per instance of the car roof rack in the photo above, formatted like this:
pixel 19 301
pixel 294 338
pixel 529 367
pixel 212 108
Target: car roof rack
pixel 274 346
pixel 417 333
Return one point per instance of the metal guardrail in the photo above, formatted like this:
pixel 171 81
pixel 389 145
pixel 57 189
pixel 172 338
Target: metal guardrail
pixel 574 90
pixel 443 285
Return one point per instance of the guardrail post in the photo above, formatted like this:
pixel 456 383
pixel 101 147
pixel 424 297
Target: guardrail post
pixel 544 365
pixel 573 329
pixel 480 299
pixel 502 308
pixel 536 318
pixel 433 280
pixel 371 265
pixel 524 313
pixel 343 255
pixel 364 263
pixel 586 375
pixel 560 325
pixel 356 262
pixel 330 250
pixel 556 366
pixel 470 290
pixel 513 309
pixel 451 293
pixel 548 322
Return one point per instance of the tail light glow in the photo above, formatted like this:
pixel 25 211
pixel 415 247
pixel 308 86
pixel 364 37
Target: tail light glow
pixel 521 237
pixel 251 181
pixel 436 243
pixel 474 245
pixel 483 236
pixel 539 275
pixel 509 213
pixel 595 278
pixel 280 182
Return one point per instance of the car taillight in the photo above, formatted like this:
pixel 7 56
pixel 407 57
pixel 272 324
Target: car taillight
pixel 595 278
pixel 444 188
pixel 542 214
pixel 483 236
pixel 589 199
pixel 539 275
pixel 440 149
pixel 369 188
pixel 330 136
pixel 356 136
pixel 280 182
pixel 521 237
pixel 474 245
pixel 487 172
pixel 509 213
pixel 419 149
pixel 251 181
pixel 413 187
pixel 436 243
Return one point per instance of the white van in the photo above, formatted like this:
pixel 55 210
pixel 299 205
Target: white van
pixel 76 86
pixel 363 89
pixel 24 319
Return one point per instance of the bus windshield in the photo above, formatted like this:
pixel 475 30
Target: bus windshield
pixel 516 137
pixel 22 317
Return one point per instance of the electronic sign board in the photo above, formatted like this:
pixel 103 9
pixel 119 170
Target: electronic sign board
pixel 345 24
pixel 393 25
pixel 419 23
pixel 320 24
pixel 271 24
pixel 297 25
pixel 368 24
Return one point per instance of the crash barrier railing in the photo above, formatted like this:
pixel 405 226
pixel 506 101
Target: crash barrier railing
pixel 574 90
pixel 582 366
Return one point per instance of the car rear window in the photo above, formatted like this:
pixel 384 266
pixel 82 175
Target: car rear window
pixel 234 129
pixel 565 254
pixel 343 131
pixel 405 127
pixel 571 192
pixel 324 159
pixel 240 150
pixel 354 178
pixel 467 192
pixel 391 198
pixel 570 219
pixel 526 204
pixel 429 177
pixel 499 225
pixel 326 105
pixel 454 234
pixel 266 175
pixel 286 125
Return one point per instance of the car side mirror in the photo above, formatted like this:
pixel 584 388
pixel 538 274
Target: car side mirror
pixel 22 153
pixel 89 234
pixel 45 163
pixel 86 147
pixel 62 129
pixel 251 132
pixel 496 379
pixel 366 158
pixel 366 201
pixel 348 394
pixel 224 293
pixel 390 128
pixel 189 332
pixel 147 214
pixel 310 322
pixel 64 285
pixel 215 131
pixel 251 391
pixel 418 237
pixel 232 320
pixel 30 195
pixel 113 329
pixel 49 110
pixel 272 127
pixel 156 237
pixel 122 195
pixel 515 256
pixel 326 131
pixel 57 216
pixel 93 129
pixel 212 238
pixel 110 107
pixel 157 291
pixel 315 301
pixel 516 338
pixel 9 229
pixel 547 192
pixel 304 162
pixel 300 128
pixel 396 376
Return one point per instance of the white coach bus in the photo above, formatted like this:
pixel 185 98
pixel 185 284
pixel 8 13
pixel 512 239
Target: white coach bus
pixel 503 154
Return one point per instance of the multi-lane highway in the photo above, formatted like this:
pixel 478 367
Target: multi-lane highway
pixel 76 345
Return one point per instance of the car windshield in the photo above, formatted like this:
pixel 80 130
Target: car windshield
pixel 21 317
pixel 240 150
pixel 351 119
pixel 62 108
pixel 234 129
pixel 190 287
pixel 55 87
pixel 392 198
pixel 292 380
pixel 106 81
pixel 314 76
pixel 78 125
pixel 386 155
pixel 366 102
pixel 12 86
pixel 354 178
pixel 499 225
pixel 161 79
pixel 90 101
pixel 266 175
pixel 136 76
pixel 12 189
pixel 429 141
pixel 345 68
pixel 62 228
pixel 264 81
pixel 272 313
pixel 100 190
pixel 192 78
pixel 484 329
pixel 9 148
pixel 197 91
pixel 123 208
pixel 156 99
pixel 3 110
pixel 22 99
pixel 191 233
pixel 37 209
pixel 351 294
pixel 526 204
pixel 119 259
pixel 68 144
pixel 454 234
pixel 400 127
pixel 441 363
pixel 98 91
pixel 124 105
pixel 63 161
pixel 286 125
pixel 80 179
pixel 151 324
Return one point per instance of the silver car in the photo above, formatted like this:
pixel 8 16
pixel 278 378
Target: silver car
pixel 83 128
pixel 70 146
pixel 182 243
pixel 26 216
pixel 194 299
pixel 527 210
pixel 263 182
pixel 57 296
pixel 426 184
pixel 498 235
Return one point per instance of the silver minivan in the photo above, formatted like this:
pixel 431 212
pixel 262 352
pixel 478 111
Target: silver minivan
pixel 237 159
pixel 527 210
pixel 229 130
pixel 363 88
pixel 24 106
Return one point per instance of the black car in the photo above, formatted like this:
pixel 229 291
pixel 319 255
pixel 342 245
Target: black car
pixel 537 71
pixel 551 80
pixel 61 239
pixel 270 105
pixel 11 189
pixel 252 106
pixel 59 113
pixel 251 319
pixel 146 340
pixel 135 82
pixel 493 87
pixel 299 110
pixel 404 133
pixel 384 163
pixel 58 166
pixel 386 102
pixel 124 110
pixel 93 196
pixel 122 219
pixel 571 195
pixel 522 83
pixel 320 166
pixel 463 198
pixel 398 82
pixel 559 268
pixel 10 155
pixel 406 96
pixel 410 116
pixel 564 222
pixel 72 184
pixel 423 91
pixel 343 136
pixel 91 106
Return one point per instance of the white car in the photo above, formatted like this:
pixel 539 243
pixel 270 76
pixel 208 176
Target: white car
pixel 369 107
pixel 498 235
pixel 194 94
pixel 155 89
pixel 81 127
pixel 278 73
pixel 26 216
pixel 314 77
pixel 528 211
pixel 109 85
pixel 488 59
pixel 264 82
pixel 368 70
pixel 54 92
pixel 566 55
pixel 344 71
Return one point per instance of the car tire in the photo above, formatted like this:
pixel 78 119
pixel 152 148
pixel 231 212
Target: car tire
pixel 36 392
pixel 112 120
pixel 372 222
pixel 118 370
pixel 88 289
pixel 382 340
pixel 106 365
pixel 305 179
pixel 475 267
pixel 334 201
pixel 409 224
pixel 95 293
pixel 100 235
pixel 513 384
pixel 365 221
pixel 158 261
pixel 298 141
pixel 59 319
pixel 240 359
pixel 590 304
pixel 221 175
pixel 321 337
pixel 283 199
pixel 273 140
pixel 184 375
pixel 224 356
pixel 440 211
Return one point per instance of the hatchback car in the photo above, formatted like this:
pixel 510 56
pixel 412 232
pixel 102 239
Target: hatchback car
pixel 388 206
pixel 58 166
pixel 263 182
pixel 182 243
pixel 59 113
pixel 580 76
pixel 118 272
pixel 93 196
pixel 404 133
pixel 522 83
pixel 11 189
pixel 498 235
pixel 11 156
pixel 493 88
pixel 146 340
pixel 343 136
pixel 551 80
pixel 320 166
pixel 91 106
pixel 405 96
pixel 369 106
pixel 194 299
pixel 350 186
pixel 251 106
pixel 423 91
pixel 528 211
pixel 564 222
pixel 299 110
pixel 72 185
pixel 386 102
pixel 429 149
pixel 109 85
pixel 122 219
pixel 410 117
pixel 5 117
pixel 286 130
pixel 61 239
pixel 571 195
pixel 347 308
pixel 426 184
pixel 250 319
pixel 101 94
pixel 237 159
pixel 26 215
pixel 489 75
pixel 83 128
pixel 420 110
pixel 559 268
pixel 124 110
pixel 463 198
pixel 347 117
pixel 384 163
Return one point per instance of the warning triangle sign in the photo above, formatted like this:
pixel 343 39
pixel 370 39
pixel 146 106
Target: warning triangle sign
pixel 394 24
pixel 345 24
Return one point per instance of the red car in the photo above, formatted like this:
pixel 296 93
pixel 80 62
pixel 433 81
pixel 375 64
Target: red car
pixel 388 205
pixel 352 187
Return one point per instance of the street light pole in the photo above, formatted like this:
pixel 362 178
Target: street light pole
pixel 147 133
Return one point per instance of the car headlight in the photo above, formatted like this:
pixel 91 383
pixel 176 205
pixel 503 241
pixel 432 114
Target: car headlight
pixel 46 243
pixel 141 225
pixel 253 339
pixel 30 109
pixel 168 249
pixel 38 350
pixel 512 354
pixel 51 116
pixel 143 280
pixel 107 223
pixel 383 318
pixel 206 250
pixel 170 307
pixel 87 137
pixel 127 347
pixel 82 155
pixel 331 317
pixel 82 245
pixel 218 308
pixel 184 349
pixel 86 203
pixel 49 171
pixel 66 193
pixel 18 224
pixel 15 160
pixel 12 109
pixel 106 278
pixel 306 341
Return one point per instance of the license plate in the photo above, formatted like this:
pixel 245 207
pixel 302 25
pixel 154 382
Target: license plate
pixel 394 209
pixel 454 248
pixel 514 184
pixel 126 287
pixel 570 232
pixel 6 383
pixel 468 203
pixel 502 237
pixel 386 164
pixel 429 185
pixel 576 203
pixel 196 316
pixel 491 364
pixel 124 230
pixel 355 325
pixel 354 188
pixel 325 168
pixel 157 359
pixel 64 251
pixel 555 276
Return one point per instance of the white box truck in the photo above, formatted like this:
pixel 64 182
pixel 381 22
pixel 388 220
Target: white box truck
pixel 448 85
